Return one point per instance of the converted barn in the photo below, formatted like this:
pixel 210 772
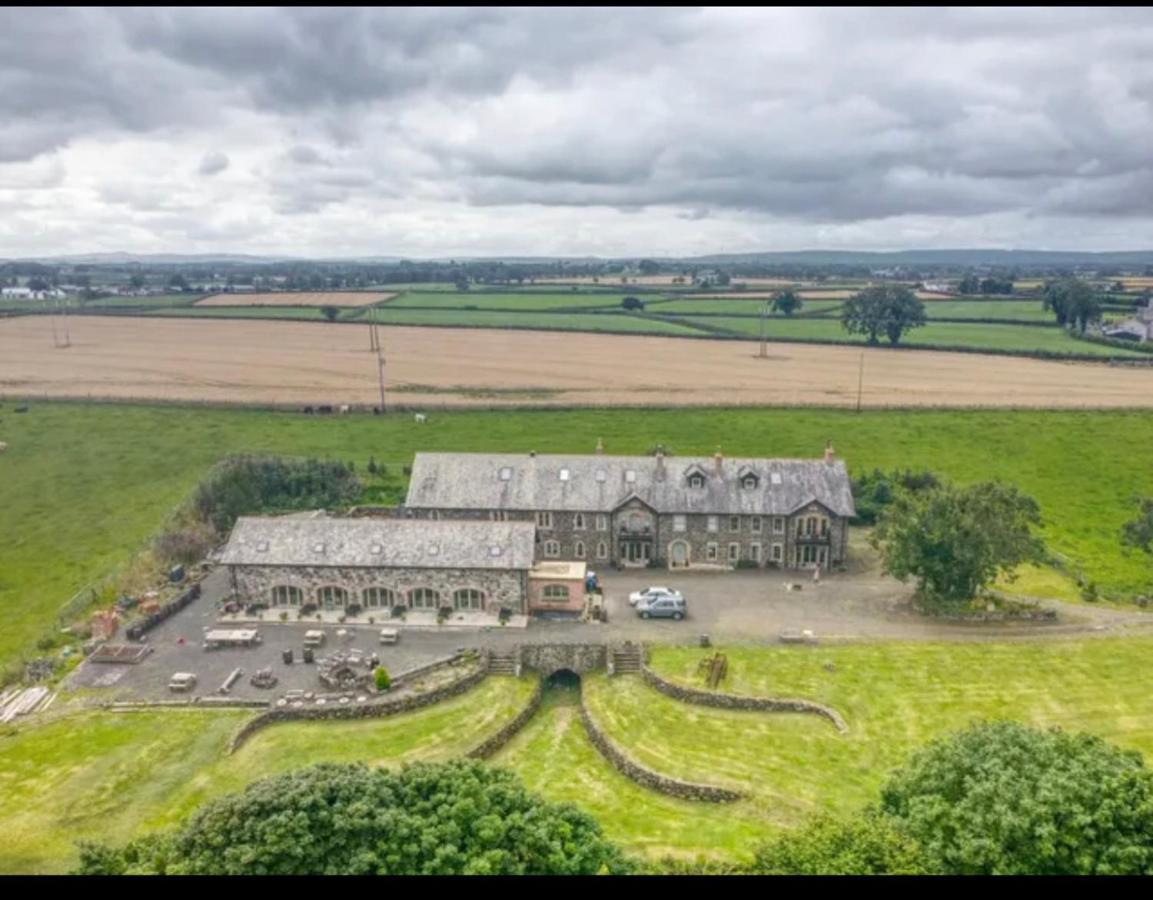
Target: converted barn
pixel 365 564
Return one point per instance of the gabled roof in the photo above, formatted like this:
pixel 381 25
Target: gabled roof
pixel 598 483
pixel 380 543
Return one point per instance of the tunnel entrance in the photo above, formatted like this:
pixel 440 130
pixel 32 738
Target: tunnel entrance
pixel 563 679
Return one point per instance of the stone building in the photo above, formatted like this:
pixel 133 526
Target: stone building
pixel 683 512
pixel 380 563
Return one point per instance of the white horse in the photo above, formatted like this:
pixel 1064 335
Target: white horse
pixel 421 418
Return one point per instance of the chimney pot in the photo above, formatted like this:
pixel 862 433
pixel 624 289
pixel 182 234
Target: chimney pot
pixel 600 449
pixel 829 455
pixel 532 454
pixel 719 461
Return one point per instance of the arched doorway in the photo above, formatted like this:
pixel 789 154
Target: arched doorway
pixel 563 679
pixel 679 555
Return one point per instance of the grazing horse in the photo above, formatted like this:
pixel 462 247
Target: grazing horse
pixel 421 418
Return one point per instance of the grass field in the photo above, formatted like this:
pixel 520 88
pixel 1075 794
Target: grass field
pixel 108 776
pixel 296 298
pixel 614 322
pixel 524 302
pixel 150 301
pixel 82 487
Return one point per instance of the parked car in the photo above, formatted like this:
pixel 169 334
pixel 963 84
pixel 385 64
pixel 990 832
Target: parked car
pixel 652 593
pixel 389 635
pixel 182 681
pixel 663 607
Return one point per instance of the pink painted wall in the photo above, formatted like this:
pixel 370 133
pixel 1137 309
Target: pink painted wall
pixel 576 594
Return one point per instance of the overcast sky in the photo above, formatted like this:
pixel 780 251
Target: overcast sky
pixel 488 131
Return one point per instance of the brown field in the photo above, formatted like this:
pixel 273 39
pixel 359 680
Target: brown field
pixel 295 298
pixel 1137 283
pixel 271 362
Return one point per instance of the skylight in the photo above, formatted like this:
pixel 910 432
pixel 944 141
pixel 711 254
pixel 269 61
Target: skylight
pixel 564 474
pixel 433 549
pixel 630 476
pixel 318 548
pixel 505 473
pixel 775 477
pixel 376 549
pixel 262 546
pixel 495 551
pixel 601 475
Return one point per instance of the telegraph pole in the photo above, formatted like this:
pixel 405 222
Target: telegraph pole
pixel 379 364
pixel 764 319
pixel 860 380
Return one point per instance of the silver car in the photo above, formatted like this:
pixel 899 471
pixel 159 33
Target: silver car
pixel 666 607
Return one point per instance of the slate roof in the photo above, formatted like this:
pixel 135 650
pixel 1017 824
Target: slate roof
pixel 380 543
pixel 602 483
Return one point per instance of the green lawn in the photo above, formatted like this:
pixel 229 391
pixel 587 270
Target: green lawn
pixel 83 486
pixel 609 322
pixel 156 300
pixel 739 307
pixel 311 313
pixel 109 776
pixel 524 302
pixel 979 336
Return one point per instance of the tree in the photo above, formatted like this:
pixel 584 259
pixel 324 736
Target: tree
pixel 1073 302
pixel 787 302
pixel 1138 532
pixel 380 676
pixel 136 282
pixel 874 491
pixel 1006 799
pixel 177 282
pixel 956 541
pixel 648 267
pixel 460 817
pixel 38 284
pixel 869 844
pixel 330 312
pixel 632 303
pixel 462 284
pixel 886 309
pixel 969 285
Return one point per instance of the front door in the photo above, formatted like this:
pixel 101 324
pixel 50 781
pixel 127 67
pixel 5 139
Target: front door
pixel 634 552
pixel 679 554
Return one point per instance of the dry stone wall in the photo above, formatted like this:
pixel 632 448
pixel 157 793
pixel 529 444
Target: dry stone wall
pixel 634 771
pixel 734 701
pixel 489 748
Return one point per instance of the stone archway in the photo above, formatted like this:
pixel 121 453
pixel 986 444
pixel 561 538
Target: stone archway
pixel 545 659
pixel 565 679
pixel 679 555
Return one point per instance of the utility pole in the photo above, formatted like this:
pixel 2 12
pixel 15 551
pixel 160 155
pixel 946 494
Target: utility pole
pixel 67 336
pixel 764 318
pixel 860 380
pixel 379 364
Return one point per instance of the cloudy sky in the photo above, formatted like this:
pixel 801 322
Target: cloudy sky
pixel 489 131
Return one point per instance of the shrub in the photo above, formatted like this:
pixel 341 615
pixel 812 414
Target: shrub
pixel 383 682
pixel 284 617
pixel 444 612
pixel 399 610
pixel 308 609
pixel 184 545
pixel 505 614
pixel 353 609
pixel 656 563
pixel 867 845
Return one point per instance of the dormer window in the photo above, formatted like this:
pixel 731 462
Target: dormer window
pixel 749 482
pixel 696 480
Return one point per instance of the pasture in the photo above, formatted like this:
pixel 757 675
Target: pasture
pixel 83 487
pixel 296 298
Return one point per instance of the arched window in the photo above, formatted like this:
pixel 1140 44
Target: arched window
pixel 423 598
pixel 468 598
pixel 602 550
pixel 332 597
pixel 579 550
pixel 378 598
pixel 287 595
pixel 552 548
pixel 555 593
pixel 578 522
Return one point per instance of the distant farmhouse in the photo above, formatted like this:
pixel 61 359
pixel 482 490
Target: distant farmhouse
pixel 490 532
pixel 1139 328
pixel 683 512
pixel 23 293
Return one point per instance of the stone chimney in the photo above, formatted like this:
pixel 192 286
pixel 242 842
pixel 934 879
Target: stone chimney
pixel 719 462
pixel 532 454
pixel 600 449
pixel 829 455
pixel 660 469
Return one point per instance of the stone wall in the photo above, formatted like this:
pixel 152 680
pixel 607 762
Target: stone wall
pixel 501 587
pixel 376 709
pixel 634 771
pixel 488 748
pixel 550 658
pixel 733 701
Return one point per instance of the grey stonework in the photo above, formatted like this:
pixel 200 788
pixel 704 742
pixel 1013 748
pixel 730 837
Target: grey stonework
pixel 489 747
pixel 254 584
pixel 696 696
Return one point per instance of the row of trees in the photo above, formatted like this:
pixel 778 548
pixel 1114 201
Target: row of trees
pixel 999 798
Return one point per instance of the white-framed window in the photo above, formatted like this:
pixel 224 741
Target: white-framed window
pixel 498 515
pixel 824 527
pixel 734 523
pixel 778 552
pixel 555 593
pixel 602 550
pixel 679 523
pixel 757 524
pixel 696 480
pixel 809 554
pixel 423 598
pixel 544 520
pixel 579 550
pixel 734 552
pixel 778 524
pixel 468 598
pixel 578 522
pixel 434 514
pixel 378 598
pixel 287 595
pixel 602 522
pixel 749 482
pixel 755 552
pixel 552 549
pixel 711 551
pixel 711 523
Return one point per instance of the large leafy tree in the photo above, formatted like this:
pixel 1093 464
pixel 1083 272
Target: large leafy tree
pixel 1003 798
pixel 956 540
pixel 1138 532
pixel 787 302
pixel 888 309
pixel 453 818
pixel 1073 303
pixel 866 845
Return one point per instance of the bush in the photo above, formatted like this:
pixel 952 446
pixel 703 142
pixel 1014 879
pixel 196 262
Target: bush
pixel 308 609
pixel 184 545
pixel 656 563
pixel 444 612
pixel 1089 592
pixel 353 609
pixel 867 845
pixel 383 682
pixel 284 617
pixel 505 614
pixel 873 491
pixel 399 611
